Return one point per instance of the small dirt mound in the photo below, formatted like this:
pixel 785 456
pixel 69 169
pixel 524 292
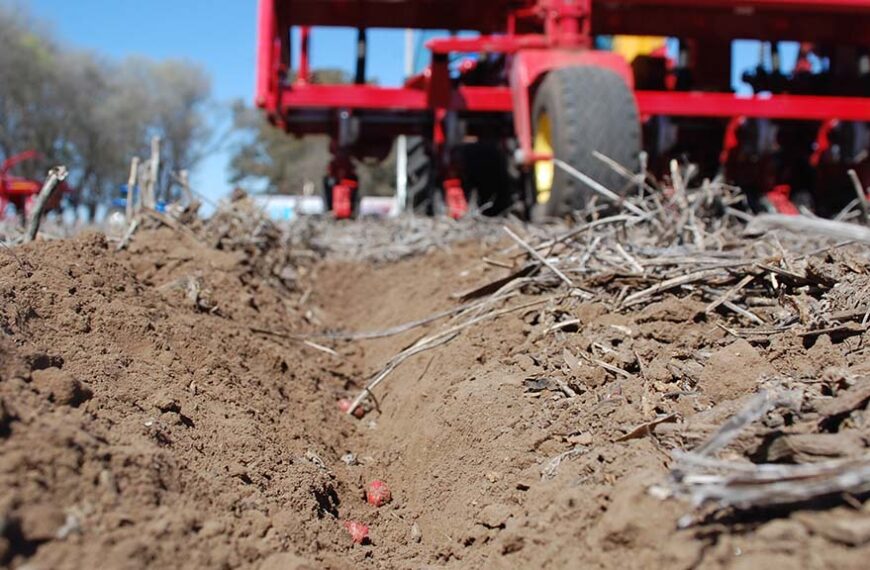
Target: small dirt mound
pixel 158 432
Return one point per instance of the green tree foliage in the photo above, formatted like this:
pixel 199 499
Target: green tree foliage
pixel 265 157
pixel 93 114
pixel 27 95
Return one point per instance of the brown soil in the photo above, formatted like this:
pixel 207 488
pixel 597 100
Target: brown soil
pixel 145 424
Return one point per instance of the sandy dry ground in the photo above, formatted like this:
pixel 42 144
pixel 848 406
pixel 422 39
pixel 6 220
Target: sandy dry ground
pixel 149 418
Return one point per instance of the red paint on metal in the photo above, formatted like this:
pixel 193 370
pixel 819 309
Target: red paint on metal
pixel 304 75
pixel 730 141
pixel 500 99
pixel 823 142
pixel 16 159
pixel 838 21
pixel 21 192
pixel 780 198
pixel 454 195
pixel 433 90
pixel 529 66
pixel 744 6
pixel 353 97
pixel 487 44
pixel 267 31
pixel 342 199
pixel 536 37
pixel 439 85
pixel 724 105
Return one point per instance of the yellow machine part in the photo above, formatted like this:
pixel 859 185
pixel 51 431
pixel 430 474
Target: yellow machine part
pixel 545 170
pixel 630 47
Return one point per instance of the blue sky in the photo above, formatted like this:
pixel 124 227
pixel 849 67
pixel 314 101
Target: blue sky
pixel 220 35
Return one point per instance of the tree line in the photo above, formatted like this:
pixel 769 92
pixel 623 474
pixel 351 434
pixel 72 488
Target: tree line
pixel 265 156
pixel 93 114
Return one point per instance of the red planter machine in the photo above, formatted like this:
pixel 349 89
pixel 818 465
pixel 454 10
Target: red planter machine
pixel 560 79
pixel 22 192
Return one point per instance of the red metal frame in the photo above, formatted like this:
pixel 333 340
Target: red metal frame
pixel 19 191
pixel 500 99
pixel 529 66
pixel 797 107
pixel 536 37
pixel 14 189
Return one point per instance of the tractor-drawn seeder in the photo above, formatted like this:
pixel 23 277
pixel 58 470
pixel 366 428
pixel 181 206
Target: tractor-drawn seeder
pixel 496 117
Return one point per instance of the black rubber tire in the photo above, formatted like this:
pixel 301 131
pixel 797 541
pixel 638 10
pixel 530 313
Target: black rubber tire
pixel 486 177
pixel 590 108
pixel 326 192
pixel 421 189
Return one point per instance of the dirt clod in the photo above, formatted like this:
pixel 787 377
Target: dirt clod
pixel 286 561
pixel 732 370
pixel 6 419
pixel 494 516
pixel 61 387
pixel 40 522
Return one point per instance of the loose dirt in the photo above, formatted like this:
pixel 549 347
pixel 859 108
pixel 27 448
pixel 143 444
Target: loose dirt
pixel 149 419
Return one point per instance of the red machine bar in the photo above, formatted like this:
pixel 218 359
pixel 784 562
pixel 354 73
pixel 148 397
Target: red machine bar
pixel 835 21
pixel 488 44
pixel 483 99
pixel 267 30
pixel 367 97
pixel 797 5
pixel 353 97
pixel 797 107
pixel 669 103
pixel 479 15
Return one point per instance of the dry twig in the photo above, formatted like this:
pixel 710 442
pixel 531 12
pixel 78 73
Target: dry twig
pixel 55 176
